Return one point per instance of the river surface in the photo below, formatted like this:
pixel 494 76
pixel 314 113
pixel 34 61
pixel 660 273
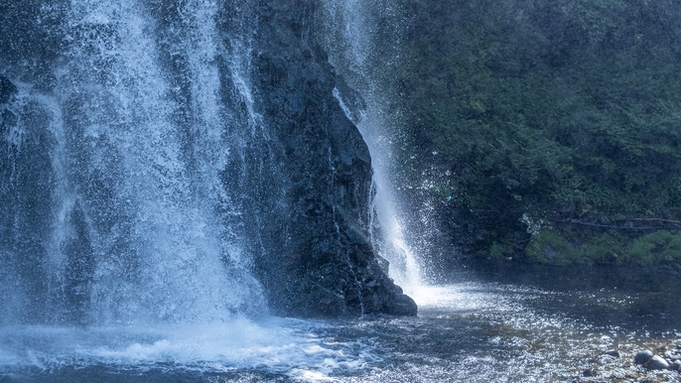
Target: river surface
pixel 465 332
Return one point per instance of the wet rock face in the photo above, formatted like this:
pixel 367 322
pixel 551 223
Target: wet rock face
pixel 7 90
pixel 311 173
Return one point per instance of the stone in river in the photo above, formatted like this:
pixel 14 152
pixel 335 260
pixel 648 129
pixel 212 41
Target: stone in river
pixel 642 357
pixel 676 365
pixel 657 363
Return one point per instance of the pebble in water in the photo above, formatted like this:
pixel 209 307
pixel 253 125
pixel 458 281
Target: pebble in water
pixel 672 356
pixel 676 365
pixel 657 363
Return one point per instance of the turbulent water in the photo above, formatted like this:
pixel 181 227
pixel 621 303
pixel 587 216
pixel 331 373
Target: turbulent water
pixel 465 332
pixel 120 245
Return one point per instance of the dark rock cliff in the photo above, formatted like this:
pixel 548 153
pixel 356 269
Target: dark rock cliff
pixel 314 185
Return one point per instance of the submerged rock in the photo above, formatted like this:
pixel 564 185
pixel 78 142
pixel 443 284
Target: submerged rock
pixel 657 363
pixel 651 361
pixel 642 357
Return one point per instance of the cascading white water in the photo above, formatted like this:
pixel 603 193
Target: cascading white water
pixel 350 43
pixel 128 187
pixel 113 85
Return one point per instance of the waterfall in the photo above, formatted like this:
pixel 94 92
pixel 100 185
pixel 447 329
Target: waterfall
pixel 123 138
pixel 114 174
pixel 354 49
pixel 162 191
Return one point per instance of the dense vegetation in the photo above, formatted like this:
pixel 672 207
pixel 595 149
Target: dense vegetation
pixel 554 127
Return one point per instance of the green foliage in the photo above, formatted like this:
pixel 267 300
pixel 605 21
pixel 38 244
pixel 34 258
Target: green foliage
pixel 549 247
pixel 556 247
pixel 568 107
pixel 605 248
pixel 658 247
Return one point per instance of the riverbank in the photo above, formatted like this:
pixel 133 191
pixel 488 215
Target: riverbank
pixel 632 277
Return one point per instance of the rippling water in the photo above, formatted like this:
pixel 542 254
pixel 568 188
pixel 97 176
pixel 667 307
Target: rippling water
pixel 465 332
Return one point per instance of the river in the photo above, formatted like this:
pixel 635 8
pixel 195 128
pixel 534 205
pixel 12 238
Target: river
pixel 468 331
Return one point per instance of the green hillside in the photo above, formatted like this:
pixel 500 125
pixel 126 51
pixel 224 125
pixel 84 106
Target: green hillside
pixel 554 128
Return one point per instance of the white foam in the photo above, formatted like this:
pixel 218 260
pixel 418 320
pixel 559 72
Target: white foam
pixel 458 297
pixel 284 346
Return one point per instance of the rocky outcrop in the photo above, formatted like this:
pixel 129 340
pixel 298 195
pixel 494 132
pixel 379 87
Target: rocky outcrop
pixel 308 171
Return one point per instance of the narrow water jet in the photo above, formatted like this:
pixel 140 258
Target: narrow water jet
pixel 352 43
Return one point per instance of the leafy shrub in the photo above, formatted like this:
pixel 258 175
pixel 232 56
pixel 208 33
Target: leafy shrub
pixel 655 248
pixel 549 247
